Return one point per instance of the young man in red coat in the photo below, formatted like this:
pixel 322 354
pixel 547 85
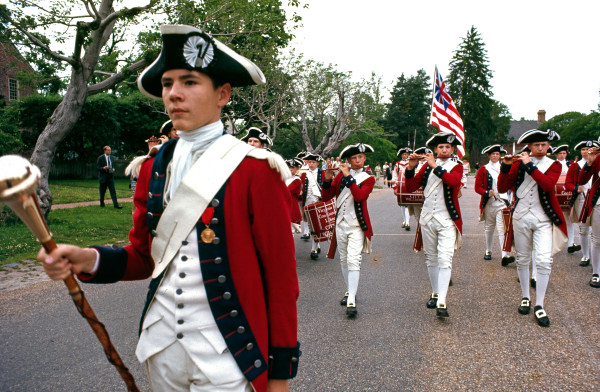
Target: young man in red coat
pixel 353 231
pixel 440 220
pixel 579 192
pixel 591 171
pixel 295 185
pixel 560 153
pixel 221 308
pixel 492 202
pixel 399 168
pixel 538 221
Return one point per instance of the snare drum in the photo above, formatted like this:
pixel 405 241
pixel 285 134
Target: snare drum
pixel 404 198
pixel 562 194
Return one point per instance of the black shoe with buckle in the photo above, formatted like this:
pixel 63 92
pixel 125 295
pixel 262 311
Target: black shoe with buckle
pixel 541 316
pixel 407 228
pixel 119 207
pixel 487 255
pixel 525 307
pixel 319 250
pixel 344 300
pixel 403 225
pixel 305 237
pixel 533 282
pixel 595 281
pixel 506 260
pixel 351 311
pixel 314 255
pixel 441 311
pixel 573 248
pixel 432 303
pixel 584 262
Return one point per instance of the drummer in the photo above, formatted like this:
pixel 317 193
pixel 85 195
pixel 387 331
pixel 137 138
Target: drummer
pixel 294 184
pixel 311 193
pixel 560 153
pixel 492 203
pixel 397 175
pixel 578 199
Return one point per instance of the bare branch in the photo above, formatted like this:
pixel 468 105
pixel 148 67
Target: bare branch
pixel 125 11
pixel 34 40
pixel 115 78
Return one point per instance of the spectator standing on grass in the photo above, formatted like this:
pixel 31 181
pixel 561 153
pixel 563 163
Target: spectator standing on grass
pixel 106 169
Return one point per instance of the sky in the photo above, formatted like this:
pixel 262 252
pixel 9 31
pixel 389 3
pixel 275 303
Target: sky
pixel 543 54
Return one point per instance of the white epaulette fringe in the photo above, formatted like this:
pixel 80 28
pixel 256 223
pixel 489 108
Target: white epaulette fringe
pixel 134 167
pixel 275 161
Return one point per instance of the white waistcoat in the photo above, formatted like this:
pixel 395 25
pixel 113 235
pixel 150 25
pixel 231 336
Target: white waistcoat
pixel 527 193
pixel 435 205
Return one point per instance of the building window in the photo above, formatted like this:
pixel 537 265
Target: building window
pixel 13 89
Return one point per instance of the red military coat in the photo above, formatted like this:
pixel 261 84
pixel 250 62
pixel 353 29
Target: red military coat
pixel 295 188
pixel 511 178
pixel 451 181
pixel 483 186
pixel 260 261
pixel 360 193
pixel 584 176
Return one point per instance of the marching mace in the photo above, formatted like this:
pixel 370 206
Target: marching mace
pixel 18 182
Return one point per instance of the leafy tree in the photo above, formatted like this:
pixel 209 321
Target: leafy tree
pixel 93 24
pixel 574 127
pixel 408 110
pixel 470 88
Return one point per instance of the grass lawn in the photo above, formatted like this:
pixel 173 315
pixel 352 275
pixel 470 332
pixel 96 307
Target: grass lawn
pixel 73 191
pixel 81 226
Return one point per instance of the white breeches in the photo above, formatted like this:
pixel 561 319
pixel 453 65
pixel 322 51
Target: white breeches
pixel 405 214
pixel 570 226
pixel 584 229
pixel 531 234
pixel 596 240
pixel 493 221
pixel 350 240
pixel 439 239
pixel 173 370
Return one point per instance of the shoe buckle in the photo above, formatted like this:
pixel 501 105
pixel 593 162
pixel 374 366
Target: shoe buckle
pixel 540 313
pixel 434 296
pixel 441 306
pixel 525 302
pixel 596 279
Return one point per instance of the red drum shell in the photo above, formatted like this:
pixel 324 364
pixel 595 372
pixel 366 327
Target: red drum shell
pixel 404 198
pixel 562 194
pixel 321 219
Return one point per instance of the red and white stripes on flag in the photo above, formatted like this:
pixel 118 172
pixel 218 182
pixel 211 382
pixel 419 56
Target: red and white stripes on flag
pixel 444 114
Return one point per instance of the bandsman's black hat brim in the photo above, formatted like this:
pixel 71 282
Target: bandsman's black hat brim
pixel 257 133
pixel 422 150
pixel 186 47
pixel 294 162
pixel 494 148
pixel 403 150
pixel 310 156
pixel 353 149
pixel 564 147
pixel 166 127
pixel 586 143
pixel 537 135
pixel 443 138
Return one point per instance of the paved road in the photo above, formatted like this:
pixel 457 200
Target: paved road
pixel 395 344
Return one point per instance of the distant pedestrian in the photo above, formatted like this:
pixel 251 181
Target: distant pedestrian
pixel 106 169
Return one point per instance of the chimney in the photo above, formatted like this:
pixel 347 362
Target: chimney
pixel 541 115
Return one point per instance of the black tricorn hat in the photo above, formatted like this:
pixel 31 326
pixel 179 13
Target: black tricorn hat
pixel 403 150
pixel 257 133
pixel 301 154
pixel 537 135
pixel 311 156
pixel 586 143
pixel 494 148
pixel 186 47
pixel 294 162
pixel 166 127
pixel 564 147
pixel 422 150
pixel 353 149
pixel 446 137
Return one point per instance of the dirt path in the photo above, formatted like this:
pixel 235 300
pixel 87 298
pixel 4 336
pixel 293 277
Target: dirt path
pixel 88 203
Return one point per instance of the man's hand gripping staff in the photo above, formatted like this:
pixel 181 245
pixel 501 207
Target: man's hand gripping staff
pixel 18 182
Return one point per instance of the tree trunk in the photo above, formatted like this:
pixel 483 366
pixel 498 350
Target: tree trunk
pixel 62 121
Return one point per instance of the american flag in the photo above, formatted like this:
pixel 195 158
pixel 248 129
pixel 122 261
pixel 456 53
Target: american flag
pixel 444 114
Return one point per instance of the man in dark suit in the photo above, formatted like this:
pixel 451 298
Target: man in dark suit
pixel 106 167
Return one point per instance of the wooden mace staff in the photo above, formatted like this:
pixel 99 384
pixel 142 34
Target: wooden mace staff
pixel 18 181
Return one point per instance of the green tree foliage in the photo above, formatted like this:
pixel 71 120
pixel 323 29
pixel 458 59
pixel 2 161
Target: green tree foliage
pixel 574 127
pixel 408 110
pixel 471 90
